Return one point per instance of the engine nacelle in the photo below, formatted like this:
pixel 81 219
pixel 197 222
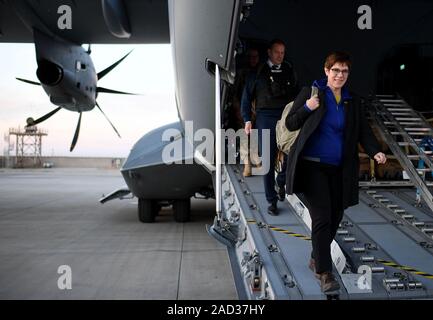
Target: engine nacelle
pixel 49 73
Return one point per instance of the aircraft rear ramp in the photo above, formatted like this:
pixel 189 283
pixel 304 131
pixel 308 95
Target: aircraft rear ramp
pixel 383 248
pixel 270 253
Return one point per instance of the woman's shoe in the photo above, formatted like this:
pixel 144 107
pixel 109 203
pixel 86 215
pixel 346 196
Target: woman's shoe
pixel 328 282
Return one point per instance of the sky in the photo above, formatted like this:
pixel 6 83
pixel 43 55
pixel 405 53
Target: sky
pixel 148 70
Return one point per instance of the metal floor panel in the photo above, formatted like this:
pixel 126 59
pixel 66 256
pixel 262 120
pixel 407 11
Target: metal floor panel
pixel 409 196
pixel 255 184
pixel 297 254
pixel 408 206
pixel 363 214
pixel 295 251
pixel 402 249
pixel 285 213
pixel 371 224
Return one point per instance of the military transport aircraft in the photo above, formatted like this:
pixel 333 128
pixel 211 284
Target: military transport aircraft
pixel 391 44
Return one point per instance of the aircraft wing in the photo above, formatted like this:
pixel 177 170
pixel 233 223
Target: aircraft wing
pixel 147 20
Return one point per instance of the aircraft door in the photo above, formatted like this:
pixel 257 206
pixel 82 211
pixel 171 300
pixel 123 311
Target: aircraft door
pixel 200 31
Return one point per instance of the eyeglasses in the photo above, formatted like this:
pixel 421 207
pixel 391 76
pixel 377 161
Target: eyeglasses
pixel 344 72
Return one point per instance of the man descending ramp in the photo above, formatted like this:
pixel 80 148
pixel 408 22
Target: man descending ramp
pixel 272 87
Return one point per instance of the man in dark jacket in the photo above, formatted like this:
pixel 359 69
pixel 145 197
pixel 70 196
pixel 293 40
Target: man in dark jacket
pixel 323 163
pixel 272 87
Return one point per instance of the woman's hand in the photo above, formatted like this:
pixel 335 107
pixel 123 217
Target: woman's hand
pixel 313 103
pixel 248 127
pixel 380 158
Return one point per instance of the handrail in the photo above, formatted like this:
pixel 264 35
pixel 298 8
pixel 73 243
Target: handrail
pixel 218 145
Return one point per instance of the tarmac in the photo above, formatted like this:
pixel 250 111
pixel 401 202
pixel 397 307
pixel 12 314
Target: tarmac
pixel 51 218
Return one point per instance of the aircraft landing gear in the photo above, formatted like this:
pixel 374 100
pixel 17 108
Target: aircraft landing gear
pixel 182 210
pixel 147 210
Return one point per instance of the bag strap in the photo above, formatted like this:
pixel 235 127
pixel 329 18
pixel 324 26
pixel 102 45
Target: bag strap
pixel 314 91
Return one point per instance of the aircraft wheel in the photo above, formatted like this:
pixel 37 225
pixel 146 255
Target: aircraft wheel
pixel 182 210
pixel 147 210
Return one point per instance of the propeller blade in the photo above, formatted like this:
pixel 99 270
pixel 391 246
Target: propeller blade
pixel 77 132
pixel 105 90
pixel 108 119
pixel 29 81
pixel 104 72
pixel 31 122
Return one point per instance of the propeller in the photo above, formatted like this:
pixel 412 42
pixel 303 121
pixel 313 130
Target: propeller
pixel 105 90
pixel 104 72
pixel 100 75
pixel 77 132
pixel 31 122
pixel 108 120
pixel 29 81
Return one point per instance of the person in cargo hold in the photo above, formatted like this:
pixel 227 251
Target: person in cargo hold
pixel 272 86
pixel 323 163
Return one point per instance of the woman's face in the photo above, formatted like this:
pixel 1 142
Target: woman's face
pixel 337 75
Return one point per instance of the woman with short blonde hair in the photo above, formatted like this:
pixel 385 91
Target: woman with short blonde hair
pixel 323 164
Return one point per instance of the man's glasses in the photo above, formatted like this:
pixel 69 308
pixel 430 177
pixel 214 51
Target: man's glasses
pixel 336 71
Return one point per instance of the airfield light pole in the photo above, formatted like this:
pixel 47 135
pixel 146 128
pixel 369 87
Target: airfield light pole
pixel 217 142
